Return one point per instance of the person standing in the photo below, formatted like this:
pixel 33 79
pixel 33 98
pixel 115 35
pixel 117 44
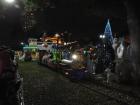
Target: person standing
pixel 108 74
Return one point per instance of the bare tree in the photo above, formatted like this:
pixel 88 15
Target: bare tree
pixel 134 29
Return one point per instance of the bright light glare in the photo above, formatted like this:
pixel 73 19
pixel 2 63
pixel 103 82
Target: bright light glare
pixel 66 61
pixel 22 43
pixel 103 36
pixel 43 44
pixel 66 73
pixel 9 1
pixel 74 57
pixel 57 35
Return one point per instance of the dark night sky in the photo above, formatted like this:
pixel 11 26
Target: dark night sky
pixel 80 18
pixel 86 18
pixel 10 25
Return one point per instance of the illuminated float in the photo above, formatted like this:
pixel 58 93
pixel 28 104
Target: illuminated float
pixel 31 50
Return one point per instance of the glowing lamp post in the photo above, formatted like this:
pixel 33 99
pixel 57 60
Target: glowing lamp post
pixel 10 1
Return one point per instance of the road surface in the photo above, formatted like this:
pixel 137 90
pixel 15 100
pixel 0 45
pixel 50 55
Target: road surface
pixel 43 86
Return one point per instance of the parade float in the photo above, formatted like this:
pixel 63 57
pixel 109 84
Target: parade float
pixel 31 50
pixel 65 58
pixel 50 44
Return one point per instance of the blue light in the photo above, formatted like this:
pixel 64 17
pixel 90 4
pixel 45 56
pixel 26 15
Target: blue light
pixel 108 32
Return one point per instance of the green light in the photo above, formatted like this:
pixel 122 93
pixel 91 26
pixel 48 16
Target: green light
pixel 29 47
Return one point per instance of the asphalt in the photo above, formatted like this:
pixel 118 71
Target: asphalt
pixel 43 86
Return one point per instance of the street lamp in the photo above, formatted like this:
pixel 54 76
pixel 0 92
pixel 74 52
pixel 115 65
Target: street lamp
pixel 10 1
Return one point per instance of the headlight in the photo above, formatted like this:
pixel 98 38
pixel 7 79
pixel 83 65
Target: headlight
pixel 74 56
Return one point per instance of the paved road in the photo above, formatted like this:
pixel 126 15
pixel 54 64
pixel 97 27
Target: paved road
pixel 43 86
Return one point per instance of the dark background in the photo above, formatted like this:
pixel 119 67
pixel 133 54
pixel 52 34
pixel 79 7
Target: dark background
pixel 84 19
